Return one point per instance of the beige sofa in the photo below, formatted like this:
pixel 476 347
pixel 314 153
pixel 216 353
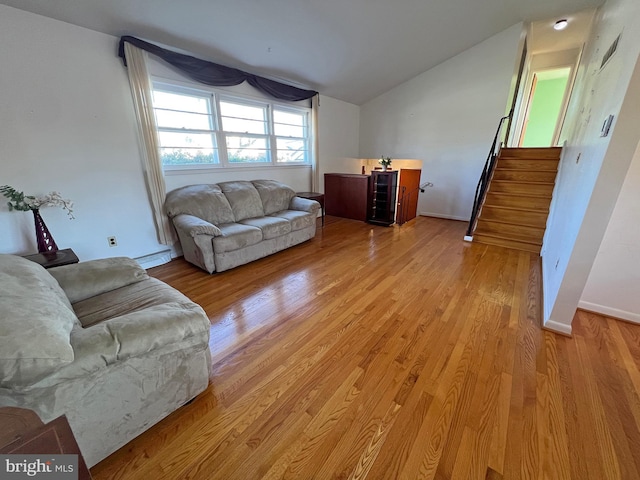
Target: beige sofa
pixel 100 342
pixel 224 225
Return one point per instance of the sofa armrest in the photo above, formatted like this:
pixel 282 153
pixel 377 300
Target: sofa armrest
pixel 164 328
pixel 88 279
pixel 304 204
pixel 195 226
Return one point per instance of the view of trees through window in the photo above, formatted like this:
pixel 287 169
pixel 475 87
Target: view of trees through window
pixel 199 128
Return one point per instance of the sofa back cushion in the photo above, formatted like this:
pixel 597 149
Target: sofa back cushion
pixel 244 199
pixel 275 196
pixel 36 319
pixel 88 279
pixel 207 202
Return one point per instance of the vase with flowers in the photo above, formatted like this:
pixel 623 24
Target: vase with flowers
pixel 21 202
pixel 385 162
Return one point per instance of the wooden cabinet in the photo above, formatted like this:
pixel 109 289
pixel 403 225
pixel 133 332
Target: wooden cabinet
pixel 346 195
pixel 382 197
pixel 23 433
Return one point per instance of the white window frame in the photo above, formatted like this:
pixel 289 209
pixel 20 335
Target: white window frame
pixel 215 96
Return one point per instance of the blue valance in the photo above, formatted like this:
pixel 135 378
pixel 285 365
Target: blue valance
pixel 217 75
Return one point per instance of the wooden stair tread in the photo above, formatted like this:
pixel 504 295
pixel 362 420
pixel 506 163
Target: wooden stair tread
pixel 529 157
pixel 488 225
pixel 503 242
pixel 530 149
pixel 521 182
pixel 514 238
pixel 520 196
pixel 517 194
pixel 521 170
pixel 513 222
pixel 551 153
pixel 521 209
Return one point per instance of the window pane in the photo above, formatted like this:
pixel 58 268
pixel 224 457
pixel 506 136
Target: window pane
pixel 291 150
pixel 288 117
pixel 180 101
pixel 186 139
pixel 228 109
pixel 289 124
pixel 241 125
pixel 247 149
pixel 188 156
pixel 289 130
pixel 191 121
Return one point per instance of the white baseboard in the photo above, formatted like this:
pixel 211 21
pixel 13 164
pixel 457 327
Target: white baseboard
pixel 154 259
pixel 558 327
pixel 609 311
pixel 438 215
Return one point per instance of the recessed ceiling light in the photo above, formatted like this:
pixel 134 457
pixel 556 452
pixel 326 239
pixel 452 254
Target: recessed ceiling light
pixel 561 24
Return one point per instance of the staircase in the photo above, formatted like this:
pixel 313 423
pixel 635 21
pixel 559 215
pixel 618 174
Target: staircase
pixel 516 206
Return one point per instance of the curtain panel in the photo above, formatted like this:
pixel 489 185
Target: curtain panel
pixel 217 75
pixel 149 143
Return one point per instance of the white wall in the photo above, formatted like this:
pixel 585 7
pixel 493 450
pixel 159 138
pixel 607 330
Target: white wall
pixel 339 125
pixel 593 168
pixel 447 118
pixel 612 287
pixel 68 125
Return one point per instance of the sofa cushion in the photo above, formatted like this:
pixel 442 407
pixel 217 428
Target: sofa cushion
pixel 299 220
pixel 235 236
pixel 271 227
pixel 36 322
pixel 244 199
pixel 131 298
pixel 88 279
pixel 275 196
pixel 203 201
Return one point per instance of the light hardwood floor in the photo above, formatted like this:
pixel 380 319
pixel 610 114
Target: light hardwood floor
pixel 395 353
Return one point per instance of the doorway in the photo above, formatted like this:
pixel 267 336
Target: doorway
pixel 546 107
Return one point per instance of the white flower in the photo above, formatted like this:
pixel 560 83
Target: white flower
pixel 21 202
pixel 53 199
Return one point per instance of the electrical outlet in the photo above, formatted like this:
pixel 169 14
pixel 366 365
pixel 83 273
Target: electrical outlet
pixel 112 241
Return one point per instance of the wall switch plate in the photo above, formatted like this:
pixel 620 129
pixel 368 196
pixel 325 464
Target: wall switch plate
pixel 606 126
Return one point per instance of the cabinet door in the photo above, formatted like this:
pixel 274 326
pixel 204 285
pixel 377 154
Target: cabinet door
pixel 408 193
pixel 346 195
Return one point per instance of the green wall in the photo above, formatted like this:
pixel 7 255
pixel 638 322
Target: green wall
pixel 544 112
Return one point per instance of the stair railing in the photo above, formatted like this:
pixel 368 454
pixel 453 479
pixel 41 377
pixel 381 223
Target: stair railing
pixel 405 196
pixel 485 177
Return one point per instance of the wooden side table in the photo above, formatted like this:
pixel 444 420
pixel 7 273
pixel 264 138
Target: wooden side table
pixel 55 259
pixel 318 197
pixel 22 432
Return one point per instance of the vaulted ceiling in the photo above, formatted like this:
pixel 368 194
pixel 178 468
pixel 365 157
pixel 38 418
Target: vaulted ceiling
pixel 352 50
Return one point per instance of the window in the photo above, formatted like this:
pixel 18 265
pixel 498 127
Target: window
pixel 185 128
pixel 198 128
